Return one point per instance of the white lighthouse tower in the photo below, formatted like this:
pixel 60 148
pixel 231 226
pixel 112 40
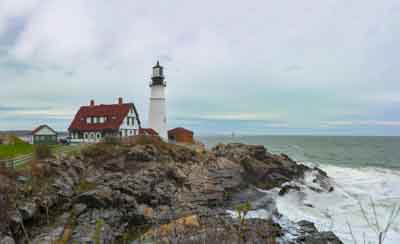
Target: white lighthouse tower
pixel 157 110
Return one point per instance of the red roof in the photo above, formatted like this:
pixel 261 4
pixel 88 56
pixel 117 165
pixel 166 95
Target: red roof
pixel 179 130
pixel 41 127
pixel 148 131
pixel 115 114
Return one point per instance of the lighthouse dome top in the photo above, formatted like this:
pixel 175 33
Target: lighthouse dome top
pixel 157 65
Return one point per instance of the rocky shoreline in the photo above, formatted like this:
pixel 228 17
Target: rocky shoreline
pixel 156 192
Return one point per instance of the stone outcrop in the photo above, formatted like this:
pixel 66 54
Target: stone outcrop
pixel 105 193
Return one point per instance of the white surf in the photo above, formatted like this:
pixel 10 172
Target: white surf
pixel 339 211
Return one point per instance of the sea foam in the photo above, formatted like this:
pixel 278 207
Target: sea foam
pixel 335 211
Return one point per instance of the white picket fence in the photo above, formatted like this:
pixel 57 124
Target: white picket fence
pixel 20 160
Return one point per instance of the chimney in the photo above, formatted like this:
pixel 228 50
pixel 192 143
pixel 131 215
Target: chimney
pixel 120 100
pixel 92 103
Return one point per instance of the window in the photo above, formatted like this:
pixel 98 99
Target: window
pixel 156 72
pixel 88 120
pixel 96 120
pixel 130 121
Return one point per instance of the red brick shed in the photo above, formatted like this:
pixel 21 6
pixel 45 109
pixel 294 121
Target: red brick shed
pixel 181 135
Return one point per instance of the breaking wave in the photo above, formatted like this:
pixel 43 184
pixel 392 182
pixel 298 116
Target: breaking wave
pixel 335 211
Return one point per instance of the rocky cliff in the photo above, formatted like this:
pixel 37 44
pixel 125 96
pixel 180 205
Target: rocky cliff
pixel 155 191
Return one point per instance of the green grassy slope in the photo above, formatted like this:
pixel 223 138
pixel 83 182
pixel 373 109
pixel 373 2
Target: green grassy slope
pixel 13 150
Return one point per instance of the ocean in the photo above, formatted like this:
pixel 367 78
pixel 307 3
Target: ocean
pixel 365 172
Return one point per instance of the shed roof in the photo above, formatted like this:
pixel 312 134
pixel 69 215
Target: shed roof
pixel 41 127
pixel 179 130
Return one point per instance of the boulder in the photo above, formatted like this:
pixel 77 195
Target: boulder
pixel 327 237
pixel 306 227
pixel 260 168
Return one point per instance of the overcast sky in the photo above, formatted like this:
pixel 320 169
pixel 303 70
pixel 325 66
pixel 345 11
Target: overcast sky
pixel 253 67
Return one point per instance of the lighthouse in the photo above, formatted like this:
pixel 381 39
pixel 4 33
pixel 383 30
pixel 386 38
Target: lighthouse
pixel 157 108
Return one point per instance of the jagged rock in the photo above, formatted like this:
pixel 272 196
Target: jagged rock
pixel 143 153
pixel 115 165
pixel 261 168
pixel 286 188
pixel 7 240
pixel 101 197
pixel 214 229
pixel 79 208
pixel 306 227
pixel 15 217
pixel 49 237
pixel 320 238
pixel 147 184
pixel 28 210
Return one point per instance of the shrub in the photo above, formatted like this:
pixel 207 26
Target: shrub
pixel 95 150
pixel 152 140
pixel 112 140
pixel 41 151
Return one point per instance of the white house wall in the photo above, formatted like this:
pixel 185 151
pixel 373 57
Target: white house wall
pixel 130 130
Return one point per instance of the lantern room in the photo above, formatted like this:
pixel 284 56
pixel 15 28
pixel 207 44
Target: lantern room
pixel 157 78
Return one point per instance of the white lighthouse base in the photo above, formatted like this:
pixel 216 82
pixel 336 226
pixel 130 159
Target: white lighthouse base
pixel 158 116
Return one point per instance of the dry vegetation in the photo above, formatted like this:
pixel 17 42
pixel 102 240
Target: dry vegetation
pixel 41 151
pixel 149 140
pixel 374 221
pixel 7 192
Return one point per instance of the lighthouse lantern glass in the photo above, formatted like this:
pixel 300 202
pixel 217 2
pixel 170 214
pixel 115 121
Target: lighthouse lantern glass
pixel 157 71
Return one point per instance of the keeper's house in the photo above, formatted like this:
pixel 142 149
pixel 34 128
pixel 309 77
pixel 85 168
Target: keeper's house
pixel 44 134
pixel 94 122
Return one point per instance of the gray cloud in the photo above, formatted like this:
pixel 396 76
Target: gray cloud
pixel 333 60
pixel 15 109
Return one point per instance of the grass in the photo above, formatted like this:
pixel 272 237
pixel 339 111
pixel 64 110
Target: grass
pixel 18 148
